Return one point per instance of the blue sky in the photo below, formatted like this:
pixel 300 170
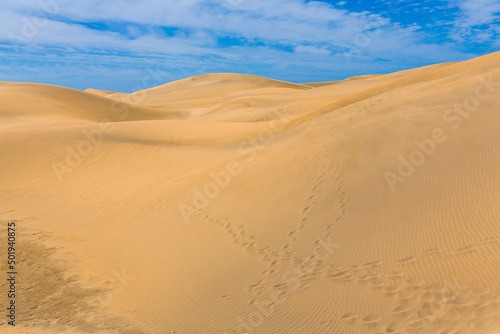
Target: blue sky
pixel 124 45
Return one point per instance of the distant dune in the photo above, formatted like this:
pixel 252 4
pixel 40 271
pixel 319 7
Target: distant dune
pixel 228 203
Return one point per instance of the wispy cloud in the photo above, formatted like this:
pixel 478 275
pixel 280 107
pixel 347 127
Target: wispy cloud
pixel 478 12
pixel 477 22
pixel 250 36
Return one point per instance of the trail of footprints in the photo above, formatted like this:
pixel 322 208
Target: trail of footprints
pixel 368 104
pixel 327 170
pixel 306 268
pixel 419 306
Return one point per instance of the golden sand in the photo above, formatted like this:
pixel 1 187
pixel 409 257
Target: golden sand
pixel 228 203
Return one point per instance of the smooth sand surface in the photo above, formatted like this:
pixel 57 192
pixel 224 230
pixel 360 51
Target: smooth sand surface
pixel 227 203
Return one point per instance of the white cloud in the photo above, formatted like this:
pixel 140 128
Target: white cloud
pixel 478 12
pixel 321 35
pixel 311 50
pixel 313 27
pixel 286 21
pixel 476 21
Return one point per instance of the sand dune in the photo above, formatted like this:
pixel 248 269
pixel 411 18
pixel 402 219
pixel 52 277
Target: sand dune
pixel 228 203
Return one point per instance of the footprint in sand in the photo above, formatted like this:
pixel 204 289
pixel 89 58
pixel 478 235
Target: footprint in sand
pixel 349 317
pixel 407 260
pixel 371 320
pixel 465 249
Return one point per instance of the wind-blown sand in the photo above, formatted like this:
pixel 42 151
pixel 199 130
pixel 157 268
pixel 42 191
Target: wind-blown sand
pixel 227 203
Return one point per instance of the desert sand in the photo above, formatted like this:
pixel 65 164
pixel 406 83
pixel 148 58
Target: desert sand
pixel 227 203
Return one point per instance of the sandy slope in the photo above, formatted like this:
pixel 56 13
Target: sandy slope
pixel 227 203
